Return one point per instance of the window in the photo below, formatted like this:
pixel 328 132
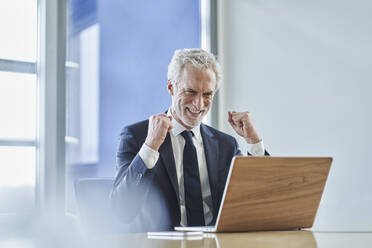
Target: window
pixel 18 87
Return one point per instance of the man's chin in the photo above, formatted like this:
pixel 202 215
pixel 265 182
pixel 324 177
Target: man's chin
pixel 190 124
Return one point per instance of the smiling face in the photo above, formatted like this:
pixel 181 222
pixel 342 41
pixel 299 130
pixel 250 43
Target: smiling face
pixel 192 97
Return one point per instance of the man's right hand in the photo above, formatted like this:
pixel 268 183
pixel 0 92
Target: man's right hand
pixel 159 126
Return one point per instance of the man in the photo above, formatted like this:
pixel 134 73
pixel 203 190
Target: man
pixel 172 169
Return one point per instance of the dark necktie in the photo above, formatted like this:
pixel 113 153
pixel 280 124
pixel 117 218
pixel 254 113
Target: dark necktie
pixel 191 177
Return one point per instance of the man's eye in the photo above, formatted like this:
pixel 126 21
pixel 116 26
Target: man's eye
pixel 190 92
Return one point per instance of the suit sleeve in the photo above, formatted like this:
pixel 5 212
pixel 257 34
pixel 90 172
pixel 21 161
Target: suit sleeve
pixel 239 153
pixel 133 179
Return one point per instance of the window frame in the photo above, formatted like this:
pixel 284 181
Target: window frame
pixel 7 65
pixel 51 73
pixel 209 42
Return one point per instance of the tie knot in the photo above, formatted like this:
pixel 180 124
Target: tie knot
pixel 187 135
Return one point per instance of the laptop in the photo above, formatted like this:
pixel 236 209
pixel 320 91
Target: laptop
pixel 270 193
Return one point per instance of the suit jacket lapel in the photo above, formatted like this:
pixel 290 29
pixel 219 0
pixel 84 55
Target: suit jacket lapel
pixel 166 154
pixel 211 155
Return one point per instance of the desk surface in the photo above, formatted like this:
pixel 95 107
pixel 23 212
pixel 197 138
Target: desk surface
pixel 275 239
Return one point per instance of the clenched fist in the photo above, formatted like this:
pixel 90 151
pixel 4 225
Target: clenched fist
pixel 242 124
pixel 159 126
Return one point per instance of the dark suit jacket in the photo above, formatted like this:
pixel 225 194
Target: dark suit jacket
pixel 149 197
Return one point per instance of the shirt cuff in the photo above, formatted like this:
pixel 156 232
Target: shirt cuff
pixel 148 156
pixel 257 149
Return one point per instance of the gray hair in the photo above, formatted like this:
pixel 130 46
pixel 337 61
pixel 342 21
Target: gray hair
pixel 195 57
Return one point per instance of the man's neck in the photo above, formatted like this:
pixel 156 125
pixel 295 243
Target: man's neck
pixel 179 120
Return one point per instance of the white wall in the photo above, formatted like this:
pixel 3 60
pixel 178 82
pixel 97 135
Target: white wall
pixel 303 69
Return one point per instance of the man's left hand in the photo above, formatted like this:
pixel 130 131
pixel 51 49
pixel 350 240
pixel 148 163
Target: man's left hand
pixel 242 124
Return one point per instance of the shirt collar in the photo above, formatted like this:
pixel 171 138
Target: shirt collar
pixel 179 128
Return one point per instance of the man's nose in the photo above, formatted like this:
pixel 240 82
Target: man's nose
pixel 198 101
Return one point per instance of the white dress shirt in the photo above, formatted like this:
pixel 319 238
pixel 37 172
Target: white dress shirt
pixel 150 157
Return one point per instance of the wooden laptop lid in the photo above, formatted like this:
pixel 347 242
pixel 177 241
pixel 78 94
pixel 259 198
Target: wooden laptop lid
pixel 272 193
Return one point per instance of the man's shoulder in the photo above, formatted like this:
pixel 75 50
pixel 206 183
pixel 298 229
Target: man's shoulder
pixel 138 127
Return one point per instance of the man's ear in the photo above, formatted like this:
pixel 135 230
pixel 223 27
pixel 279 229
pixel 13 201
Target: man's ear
pixel 170 87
